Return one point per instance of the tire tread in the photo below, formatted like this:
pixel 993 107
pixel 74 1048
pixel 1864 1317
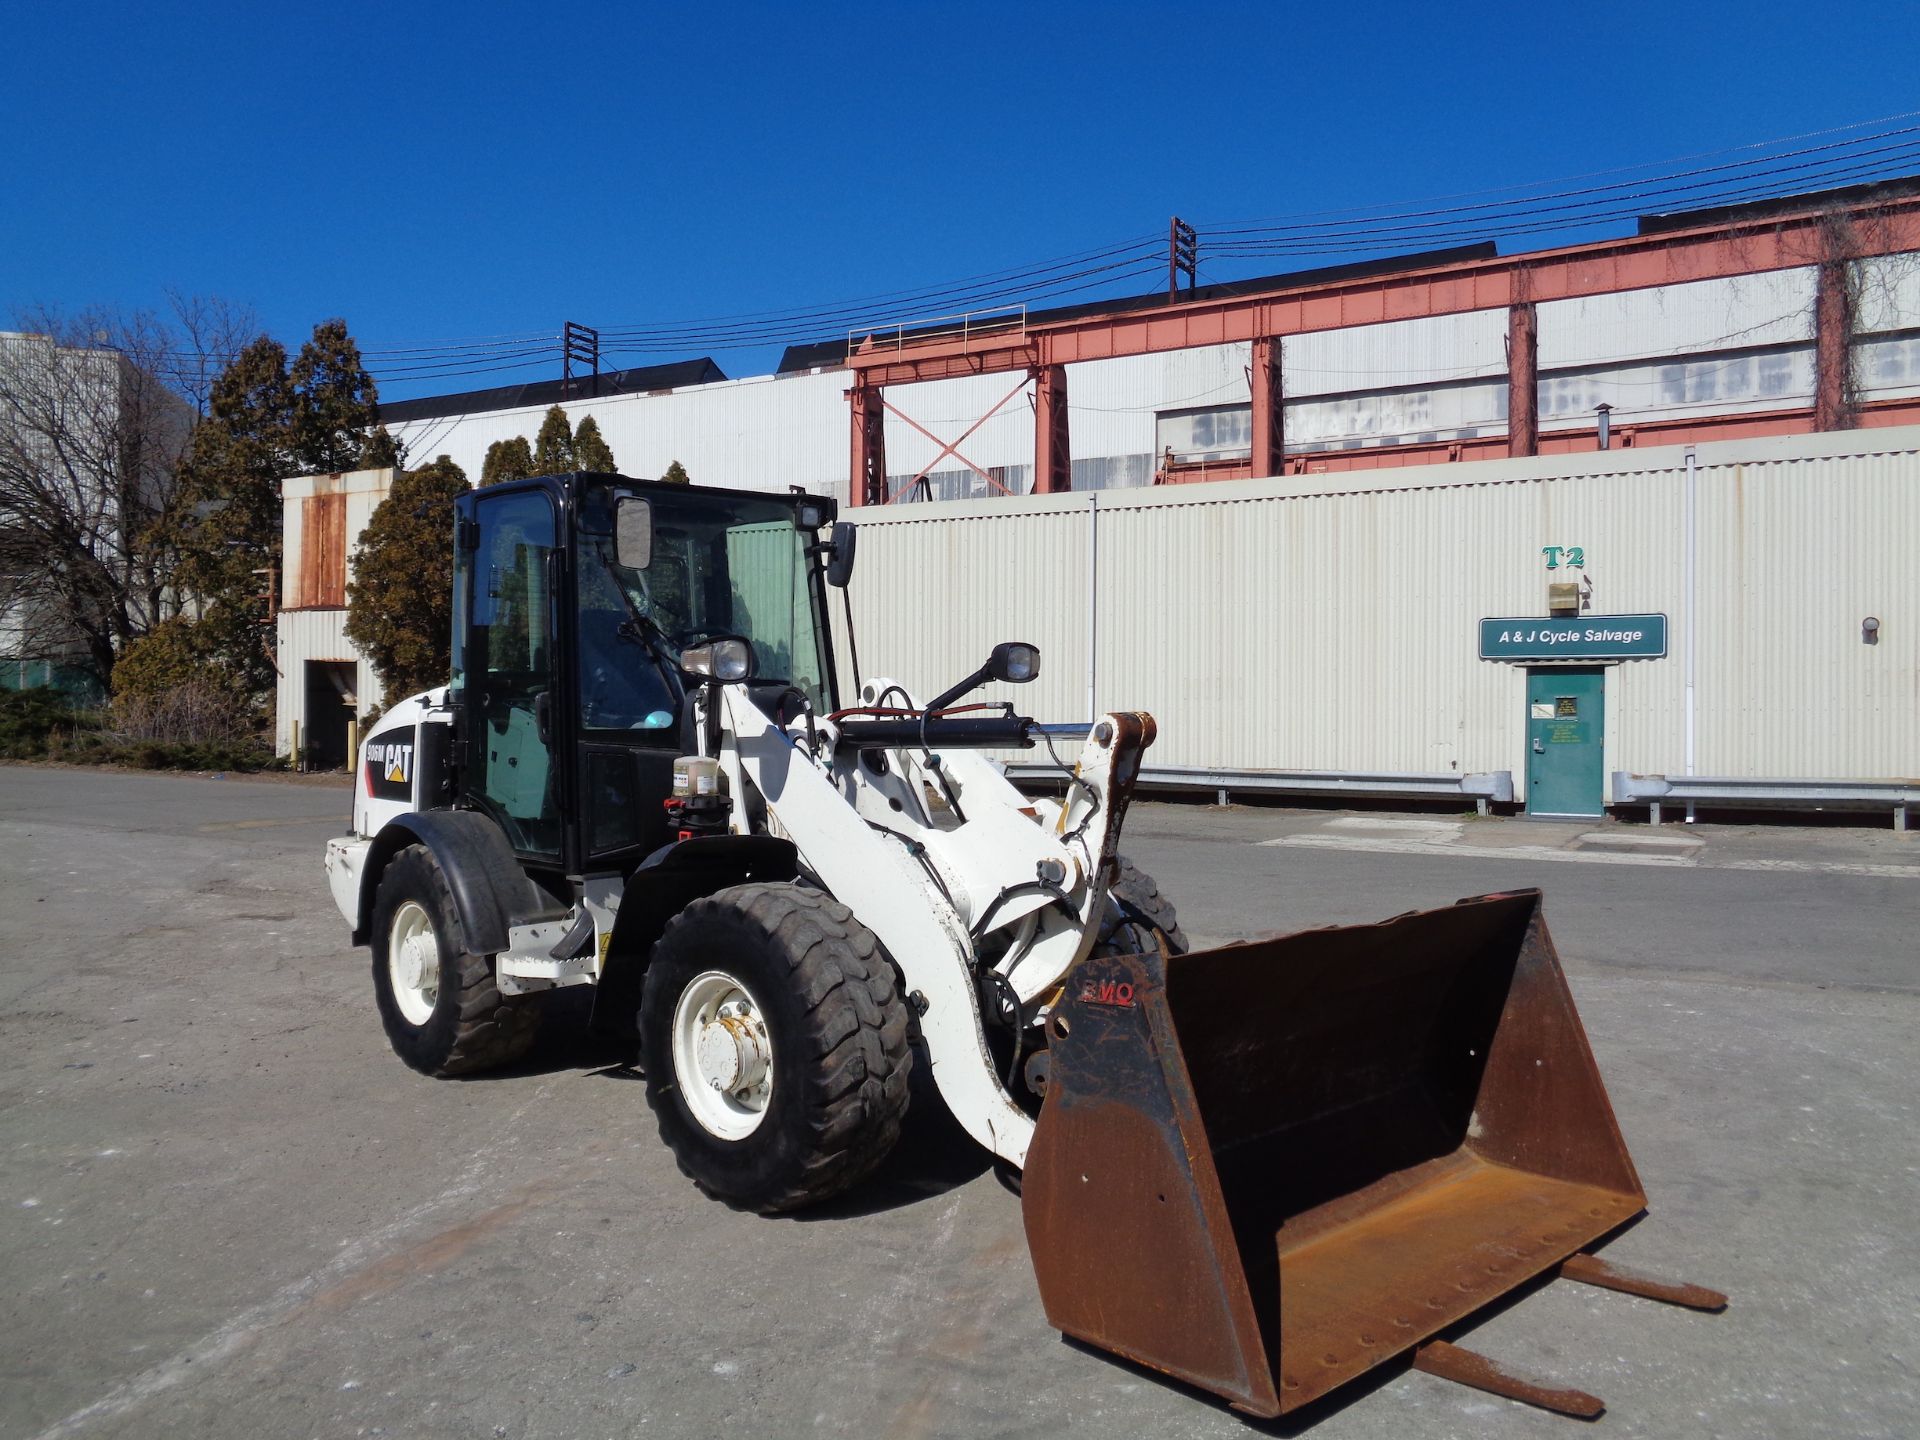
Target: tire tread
pixel 854 1026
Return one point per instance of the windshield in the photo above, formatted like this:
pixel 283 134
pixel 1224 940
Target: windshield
pixel 721 565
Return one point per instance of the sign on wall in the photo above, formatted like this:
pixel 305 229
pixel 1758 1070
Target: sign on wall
pixel 1583 637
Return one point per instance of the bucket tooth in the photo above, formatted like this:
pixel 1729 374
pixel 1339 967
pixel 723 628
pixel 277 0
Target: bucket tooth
pixel 1592 1270
pixel 1471 1368
pixel 1267 1168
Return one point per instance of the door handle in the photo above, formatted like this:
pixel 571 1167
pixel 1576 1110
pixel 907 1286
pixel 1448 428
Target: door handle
pixel 1539 745
pixel 542 712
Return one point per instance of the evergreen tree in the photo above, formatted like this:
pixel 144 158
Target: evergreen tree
pixel 229 531
pixel 382 451
pixel 400 599
pixel 590 451
pixel 507 460
pixel 553 446
pixel 676 475
pixel 335 402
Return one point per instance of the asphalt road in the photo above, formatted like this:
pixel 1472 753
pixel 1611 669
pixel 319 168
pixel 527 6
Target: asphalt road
pixel 226 1209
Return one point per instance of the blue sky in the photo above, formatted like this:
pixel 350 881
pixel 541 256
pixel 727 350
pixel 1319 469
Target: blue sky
pixel 479 170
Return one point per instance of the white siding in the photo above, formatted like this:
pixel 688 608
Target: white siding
pixel 765 433
pixel 305 635
pixel 1774 307
pixel 1112 403
pixel 1329 622
pixel 1395 353
pixel 1889 297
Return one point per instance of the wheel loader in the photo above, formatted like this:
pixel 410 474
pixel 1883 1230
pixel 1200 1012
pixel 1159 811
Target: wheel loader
pixel 1263 1169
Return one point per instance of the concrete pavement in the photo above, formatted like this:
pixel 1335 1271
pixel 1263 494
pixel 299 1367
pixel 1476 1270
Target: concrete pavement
pixel 226 1209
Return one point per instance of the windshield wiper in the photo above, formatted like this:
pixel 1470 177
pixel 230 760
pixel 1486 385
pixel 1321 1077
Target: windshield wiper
pixel 638 626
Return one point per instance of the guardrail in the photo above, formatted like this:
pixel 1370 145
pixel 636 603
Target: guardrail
pixel 1654 791
pixel 1483 789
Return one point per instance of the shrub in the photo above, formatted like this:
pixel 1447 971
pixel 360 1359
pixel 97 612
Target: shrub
pixel 197 712
pixel 31 720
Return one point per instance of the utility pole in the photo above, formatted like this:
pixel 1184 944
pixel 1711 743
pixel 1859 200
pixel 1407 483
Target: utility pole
pixel 1183 253
pixel 268 627
pixel 579 345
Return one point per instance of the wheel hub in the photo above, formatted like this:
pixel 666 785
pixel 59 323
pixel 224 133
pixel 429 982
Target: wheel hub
pixel 732 1049
pixel 413 964
pixel 723 1055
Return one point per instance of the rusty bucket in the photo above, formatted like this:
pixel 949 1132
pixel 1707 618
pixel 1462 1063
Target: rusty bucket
pixel 1267 1168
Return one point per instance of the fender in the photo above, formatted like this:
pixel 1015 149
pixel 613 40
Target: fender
pixel 490 891
pixel 665 883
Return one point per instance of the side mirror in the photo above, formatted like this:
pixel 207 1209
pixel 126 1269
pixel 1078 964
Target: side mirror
pixel 1014 662
pixel 633 532
pixel 725 660
pixel 840 558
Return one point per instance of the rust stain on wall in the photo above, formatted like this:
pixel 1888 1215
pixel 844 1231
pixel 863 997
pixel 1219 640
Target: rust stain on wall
pixel 322 572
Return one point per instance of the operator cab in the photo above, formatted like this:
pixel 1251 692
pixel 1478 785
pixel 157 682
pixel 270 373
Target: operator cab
pixel 574 598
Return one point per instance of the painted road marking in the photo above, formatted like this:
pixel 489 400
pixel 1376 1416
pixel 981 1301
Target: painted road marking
pixel 1392 822
pixel 1677 842
pixel 1382 845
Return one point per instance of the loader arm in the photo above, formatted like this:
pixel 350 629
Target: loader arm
pixel 925 928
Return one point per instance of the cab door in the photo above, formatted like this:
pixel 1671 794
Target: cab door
pixel 507 668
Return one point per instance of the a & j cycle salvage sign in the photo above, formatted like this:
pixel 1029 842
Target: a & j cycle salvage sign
pixel 1585 637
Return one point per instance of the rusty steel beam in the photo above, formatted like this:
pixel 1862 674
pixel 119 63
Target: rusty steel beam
pixel 1052 443
pixel 1523 379
pixel 867 467
pixel 1637 262
pixel 1269 424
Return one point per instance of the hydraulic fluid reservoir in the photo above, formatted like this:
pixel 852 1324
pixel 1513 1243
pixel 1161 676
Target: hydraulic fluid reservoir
pixel 697 777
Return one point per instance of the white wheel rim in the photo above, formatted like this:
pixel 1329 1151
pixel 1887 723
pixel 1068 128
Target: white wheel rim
pixel 413 963
pixel 722 1056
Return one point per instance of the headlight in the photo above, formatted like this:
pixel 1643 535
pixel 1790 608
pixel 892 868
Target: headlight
pixel 1015 663
pixel 722 660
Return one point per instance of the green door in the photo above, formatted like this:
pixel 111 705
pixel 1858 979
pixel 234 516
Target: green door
pixel 1565 769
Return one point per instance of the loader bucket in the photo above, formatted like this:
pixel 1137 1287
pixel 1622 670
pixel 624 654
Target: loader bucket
pixel 1265 1169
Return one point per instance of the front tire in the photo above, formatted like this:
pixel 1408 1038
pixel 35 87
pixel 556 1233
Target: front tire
pixel 775 1040
pixel 441 1008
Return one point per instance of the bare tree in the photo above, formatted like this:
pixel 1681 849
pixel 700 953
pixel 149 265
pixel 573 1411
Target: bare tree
pixel 93 423
pixel 208 335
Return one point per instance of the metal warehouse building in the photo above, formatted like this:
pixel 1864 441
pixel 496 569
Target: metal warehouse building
pixel 1611 524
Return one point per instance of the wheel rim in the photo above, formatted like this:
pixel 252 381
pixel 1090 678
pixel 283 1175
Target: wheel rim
pixel 413 963
pixel 722 1055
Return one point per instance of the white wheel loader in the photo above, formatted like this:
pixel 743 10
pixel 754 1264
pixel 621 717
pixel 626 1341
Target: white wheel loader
pixel 1263 1169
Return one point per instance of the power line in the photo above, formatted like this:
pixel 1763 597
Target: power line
pixel 1765 169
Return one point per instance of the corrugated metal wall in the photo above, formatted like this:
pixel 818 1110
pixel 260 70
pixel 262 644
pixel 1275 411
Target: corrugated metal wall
pixel 1330 622
pixel 304 635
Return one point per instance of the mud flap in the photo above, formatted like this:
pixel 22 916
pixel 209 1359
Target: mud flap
pixel 1267 1168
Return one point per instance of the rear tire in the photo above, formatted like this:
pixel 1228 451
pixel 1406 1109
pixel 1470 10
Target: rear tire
pixel 1120 933
pixel 441 1008
pixel 775 1041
